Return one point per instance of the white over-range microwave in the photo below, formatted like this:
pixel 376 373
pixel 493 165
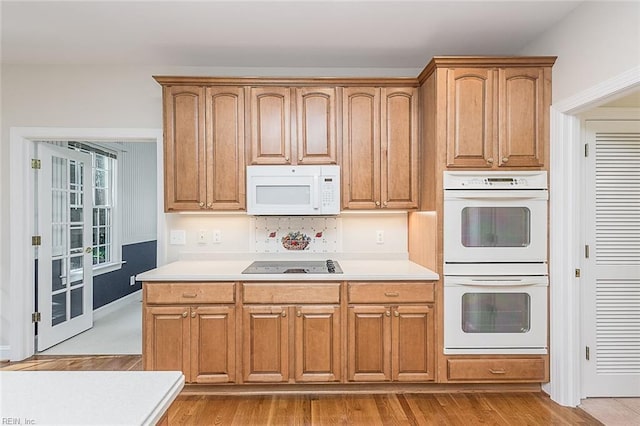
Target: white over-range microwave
pixel 293 190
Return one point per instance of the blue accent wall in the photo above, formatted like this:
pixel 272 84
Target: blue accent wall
pixel 114 285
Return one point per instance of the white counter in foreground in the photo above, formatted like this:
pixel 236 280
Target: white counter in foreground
pixel 231 270
pixel 87 397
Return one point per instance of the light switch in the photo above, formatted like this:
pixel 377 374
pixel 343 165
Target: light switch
pixel 178 237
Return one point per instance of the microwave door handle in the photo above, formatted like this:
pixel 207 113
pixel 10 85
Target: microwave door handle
pixel 315 195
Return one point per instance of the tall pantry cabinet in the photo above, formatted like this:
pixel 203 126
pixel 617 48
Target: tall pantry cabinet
pixel 478 113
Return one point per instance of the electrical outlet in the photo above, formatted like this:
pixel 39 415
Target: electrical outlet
pixel 217 236
pixel 202 237
pixel 132 280
pixel 379 237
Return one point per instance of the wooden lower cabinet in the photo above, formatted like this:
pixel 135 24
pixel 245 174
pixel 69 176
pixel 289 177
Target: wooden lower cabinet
pixel 269 356
pixel 391 343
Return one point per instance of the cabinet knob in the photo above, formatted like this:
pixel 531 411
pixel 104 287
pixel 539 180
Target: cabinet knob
pixel 490 160
pixel 377 203
pixel 384 204
pixel 209 205
pixel 388 313
pixel 284 313
pixel 286 158
pixel 184 314
pixel 193 314
pixel 505 159
pixel 201 204
pixel 396 313
pixel 299 314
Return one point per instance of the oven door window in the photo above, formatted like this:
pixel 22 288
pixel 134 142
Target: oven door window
pixel 496 312
pixel 496 227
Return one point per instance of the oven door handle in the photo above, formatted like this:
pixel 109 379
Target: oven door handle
pixel 514 282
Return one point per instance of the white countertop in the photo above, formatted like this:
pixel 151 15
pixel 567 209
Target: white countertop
pixel 87 397
pixel 231 270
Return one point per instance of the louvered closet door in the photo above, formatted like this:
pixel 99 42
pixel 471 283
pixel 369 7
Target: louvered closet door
pixel 611 279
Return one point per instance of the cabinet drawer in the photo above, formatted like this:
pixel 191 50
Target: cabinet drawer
pixel 532 369
pixel 205 292
pixel 390 292
pixel 291 293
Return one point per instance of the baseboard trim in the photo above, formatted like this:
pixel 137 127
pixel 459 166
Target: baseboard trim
pixel 105 310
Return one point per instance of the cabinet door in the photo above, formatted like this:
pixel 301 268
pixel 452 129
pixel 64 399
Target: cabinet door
pixel 369 341
pixel 166 339
pixel 399 144
pixel 361 148
pixel 265 344
pixel 270 125
pixel 523 117
pixel 225 148
pixel 413 344
pixel 316 125
pixel 470 117
pixel 213 344
pixel 317 344
pixel 184 148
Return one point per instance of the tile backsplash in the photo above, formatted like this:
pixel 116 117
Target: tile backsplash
pixel 282 234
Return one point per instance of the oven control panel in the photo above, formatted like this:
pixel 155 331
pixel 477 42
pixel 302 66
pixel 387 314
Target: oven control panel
pixel 495 180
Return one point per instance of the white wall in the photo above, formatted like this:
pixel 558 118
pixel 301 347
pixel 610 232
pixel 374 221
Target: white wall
pixel 101 97
pixel 595 42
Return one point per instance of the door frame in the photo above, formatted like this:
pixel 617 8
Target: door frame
pixel 21 217
pixel 565 234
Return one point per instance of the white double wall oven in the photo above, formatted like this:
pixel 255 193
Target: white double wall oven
pixel 495 262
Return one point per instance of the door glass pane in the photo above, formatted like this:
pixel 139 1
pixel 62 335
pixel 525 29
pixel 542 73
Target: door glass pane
pixel 289 194
pixel 496 312
pixel 76 214
pixel 496 227
pixel 76 301
pixel 76 239
pixel 76 263
pixel 58 274
pixel 58 308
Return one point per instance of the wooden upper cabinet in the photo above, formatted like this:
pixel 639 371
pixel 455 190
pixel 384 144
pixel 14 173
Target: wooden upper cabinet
pixel 380 148
pixel 225 148
pixel 361 148
pixel 470 117
pixel 316 125
pixel 204 148
pixel 184 148
pixel 497 117
pixel 293 125
pixel 270 125
pixel 399 145
pixel 523 111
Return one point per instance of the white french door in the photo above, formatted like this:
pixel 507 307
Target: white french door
pixel 64 277
pixel 611 268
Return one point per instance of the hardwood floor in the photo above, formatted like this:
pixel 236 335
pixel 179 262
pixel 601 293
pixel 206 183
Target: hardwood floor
pixel 468 409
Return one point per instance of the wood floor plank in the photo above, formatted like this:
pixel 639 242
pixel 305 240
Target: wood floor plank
pixel 458 408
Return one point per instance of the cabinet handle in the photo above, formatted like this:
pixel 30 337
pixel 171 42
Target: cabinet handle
pixel 190 295
pixel 499 371
pixel 396 313
pixel 299 313
pixel 184 314
pixel 201 204
pixel 391 293
pixel 505 159
pixel 388 313
pixel 490 160
pixel 284 313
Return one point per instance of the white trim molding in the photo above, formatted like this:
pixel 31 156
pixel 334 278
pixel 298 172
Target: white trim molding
pixel 565 237
pixel 21 218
